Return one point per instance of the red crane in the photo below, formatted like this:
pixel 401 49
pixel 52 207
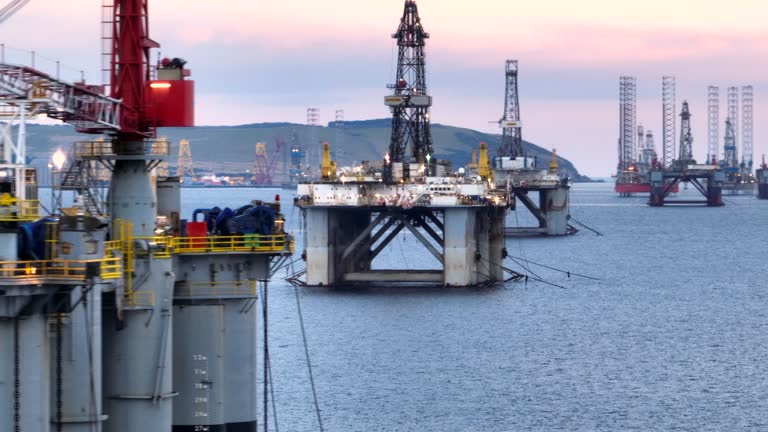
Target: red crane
pixel 135 106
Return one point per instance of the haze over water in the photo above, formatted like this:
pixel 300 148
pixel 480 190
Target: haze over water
pixel 672 337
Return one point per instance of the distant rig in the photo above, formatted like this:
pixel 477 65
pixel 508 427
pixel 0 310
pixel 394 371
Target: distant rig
pixel 351 216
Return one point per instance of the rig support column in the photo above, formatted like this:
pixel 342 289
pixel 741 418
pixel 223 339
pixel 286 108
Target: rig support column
pixel 554 203
pixel 460 263
pixel 81 378
pixel 320 250
pixel 24 383
pixel 138 339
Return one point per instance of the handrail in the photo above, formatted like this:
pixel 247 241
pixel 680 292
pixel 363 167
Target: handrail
pixel 247 288
pixel 16 210
pixel 241 243
pixel 111 268
pixel 101 148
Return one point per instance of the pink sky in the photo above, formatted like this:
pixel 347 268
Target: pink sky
pixel 269 60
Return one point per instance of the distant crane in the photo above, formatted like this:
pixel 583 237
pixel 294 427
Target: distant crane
pixel 264 167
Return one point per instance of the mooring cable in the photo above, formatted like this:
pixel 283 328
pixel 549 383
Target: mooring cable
pixel 569 273
pixel 272 393
pixel 309 363
pixel 598 233
pixel 535 276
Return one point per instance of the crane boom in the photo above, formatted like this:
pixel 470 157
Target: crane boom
pixel 11 8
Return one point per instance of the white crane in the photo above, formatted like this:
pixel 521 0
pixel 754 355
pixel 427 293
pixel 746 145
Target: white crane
pixel 11 8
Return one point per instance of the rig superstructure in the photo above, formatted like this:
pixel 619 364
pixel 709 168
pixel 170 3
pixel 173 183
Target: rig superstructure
pixel 152 316
pixel 351 217
pixel 516 175
pixel 685 169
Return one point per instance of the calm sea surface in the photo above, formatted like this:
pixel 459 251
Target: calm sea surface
pixel 674 335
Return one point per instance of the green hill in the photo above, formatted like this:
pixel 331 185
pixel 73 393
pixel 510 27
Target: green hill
pixel 230 149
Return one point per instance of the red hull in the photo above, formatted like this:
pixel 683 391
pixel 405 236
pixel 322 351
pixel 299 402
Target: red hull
pixel 637 188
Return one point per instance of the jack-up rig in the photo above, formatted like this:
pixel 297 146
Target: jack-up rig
pixel 458 219
pixel 739 176
pixel 121 316
pixel 637 150
pixel 517 175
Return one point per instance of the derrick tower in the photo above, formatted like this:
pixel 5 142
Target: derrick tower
pixel 669 120
pixel 627 122
pixel 512 132
pixel 746 127
pixel 184 166
pixel 713 124
pixel 686 138
pixel 730 156
pixel 410 102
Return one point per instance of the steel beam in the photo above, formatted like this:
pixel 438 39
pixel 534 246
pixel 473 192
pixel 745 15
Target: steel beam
pixel 421 238
pixel 531 206
pixel 362 236
pixel 387 239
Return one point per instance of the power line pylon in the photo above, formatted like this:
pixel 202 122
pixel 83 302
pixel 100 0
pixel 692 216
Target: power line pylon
pixel 669 120
pixel 184 167
pixel 339 133
pixel 410 102
pixel 713 124
pixel 512 128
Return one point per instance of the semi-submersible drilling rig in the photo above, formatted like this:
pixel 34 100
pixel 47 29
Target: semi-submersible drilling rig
pixel 123 317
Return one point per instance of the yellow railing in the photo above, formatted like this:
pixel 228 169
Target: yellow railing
pixel 101 148
pixel 244 243
pixel 247 288
pixel 161 246
pixel 58 269
pixel 139 298
pixel 15 210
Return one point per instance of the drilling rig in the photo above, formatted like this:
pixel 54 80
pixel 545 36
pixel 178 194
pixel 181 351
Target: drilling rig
pixel 136 316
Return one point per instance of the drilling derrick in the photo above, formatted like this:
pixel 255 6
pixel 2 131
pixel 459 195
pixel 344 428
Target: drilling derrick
pixel 713 124
pixel 746 129
pixel 730 155
pixel 649 150
pixel 127 325
pixel 686 138
pixel 410 102
pixel 184 166
pixel 512 135
pixel 640 146
pixel 669 120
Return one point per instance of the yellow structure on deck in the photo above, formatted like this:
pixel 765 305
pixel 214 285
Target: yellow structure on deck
pixel 553 165
pixel 484 164
pixel 328 167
